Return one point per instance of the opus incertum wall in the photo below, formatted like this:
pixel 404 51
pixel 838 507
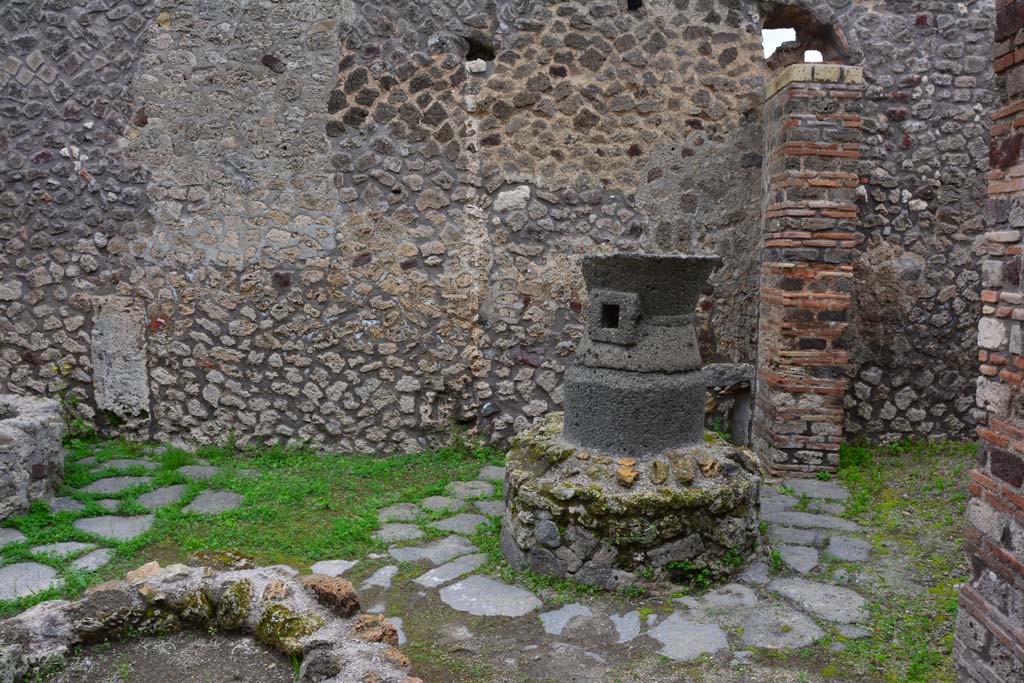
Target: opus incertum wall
pixel 360 223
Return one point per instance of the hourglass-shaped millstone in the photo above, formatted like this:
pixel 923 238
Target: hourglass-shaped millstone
pixel 637 388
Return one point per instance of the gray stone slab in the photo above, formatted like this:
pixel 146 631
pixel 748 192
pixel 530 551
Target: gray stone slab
pixel 484 597
pixel 25 578
pixel 809 520
pixel 8 536
pixel 437 503
pixel 813 488
pixel 380 578
pixel 161 497
pixel 464 523
pixel 777 503
pixel 683 640
pixel 402 512
pixel 333 567
pixel 87 460
pixel 794 536
pixel 491 508
pixel 65 504
pixel 435 552
pixel 825 507
pixel 63 549
pixel 731 595
pixel 118 528
pixel 800 558
pixel 115 484
pixel 832 603
pixel 398 624
pixel 125 463
pixel 438 576
pixel 197 472
pixel 848 549
pixel 756 574
pixel 109 504
pixel 555 622
pixel 390 533
pixel 627 626
pixel 94 560
pixel 214 502
pixel 470 489
pixel 852 632
pixel 777 628
pixel 492 473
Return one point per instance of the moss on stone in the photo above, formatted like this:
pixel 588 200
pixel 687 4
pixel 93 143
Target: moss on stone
pixel 283 628
pixel 234 605
pixel 195 607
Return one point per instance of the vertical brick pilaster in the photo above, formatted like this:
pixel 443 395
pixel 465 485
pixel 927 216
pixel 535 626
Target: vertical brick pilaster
pixel 989 643
pixel 811 231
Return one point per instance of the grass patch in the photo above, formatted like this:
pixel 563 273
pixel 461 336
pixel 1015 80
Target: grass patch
pixel 299 506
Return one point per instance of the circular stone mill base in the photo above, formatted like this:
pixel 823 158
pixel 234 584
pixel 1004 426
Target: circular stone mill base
pixel 598 519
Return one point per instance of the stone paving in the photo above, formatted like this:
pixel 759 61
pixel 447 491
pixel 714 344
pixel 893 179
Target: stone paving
pixel 98 531
pixel 805 598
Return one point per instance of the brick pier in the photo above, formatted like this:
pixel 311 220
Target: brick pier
pixel 811 232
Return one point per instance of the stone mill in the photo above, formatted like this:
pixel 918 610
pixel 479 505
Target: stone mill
pixel 625 478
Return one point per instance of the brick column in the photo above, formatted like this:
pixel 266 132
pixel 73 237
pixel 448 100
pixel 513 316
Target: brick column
pixel 989 644
pixel 811 231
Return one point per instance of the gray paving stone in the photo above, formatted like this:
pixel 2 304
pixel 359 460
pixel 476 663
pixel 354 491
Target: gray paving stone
pixel 470 489
pixel 813 488
pixel 777 503
pixel 794 536
pixel 333 567
pixel 214 502
pixel 777 628
pixel 115 484
pixel 484 597
pixel 125 463
pixel 826 508
pixel 118 528
pixel 832 603
pixel 435 552
pixel 799 557
pixel 450 571
pixel 464 523
pixel 492 473
pixel 390 533
pixel 109 504
pixel 63 549
pixel 94 560
pixel 66 505
pixel 682 640
pixel 731 595
pixel 848 549
pixel 197 472
pixel 25 578
pixel 381 578
pixel 627 626
pixel 398 624
pixel 810 520
pixel 154 500
pixel 756 574
pixel 8 536
pixel 436 503
pixel 491 508
pixel 87 460
pixel 402 512
pixel 555 622
pixel 852 632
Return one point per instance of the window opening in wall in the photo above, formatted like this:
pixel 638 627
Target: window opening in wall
pixel 772 38
pixel 634 5
pixel 610 316
pixel 813 56
pixel 478 50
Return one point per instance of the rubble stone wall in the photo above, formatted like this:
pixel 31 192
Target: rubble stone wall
pixel 359 223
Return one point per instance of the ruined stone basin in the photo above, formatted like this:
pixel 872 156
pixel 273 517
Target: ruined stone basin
pixel 31 452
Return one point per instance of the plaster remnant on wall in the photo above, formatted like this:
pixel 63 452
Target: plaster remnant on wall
pixel 119 374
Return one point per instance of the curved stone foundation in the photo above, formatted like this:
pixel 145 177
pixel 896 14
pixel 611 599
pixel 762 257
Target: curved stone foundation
pixel 31 452
pixel 576 514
